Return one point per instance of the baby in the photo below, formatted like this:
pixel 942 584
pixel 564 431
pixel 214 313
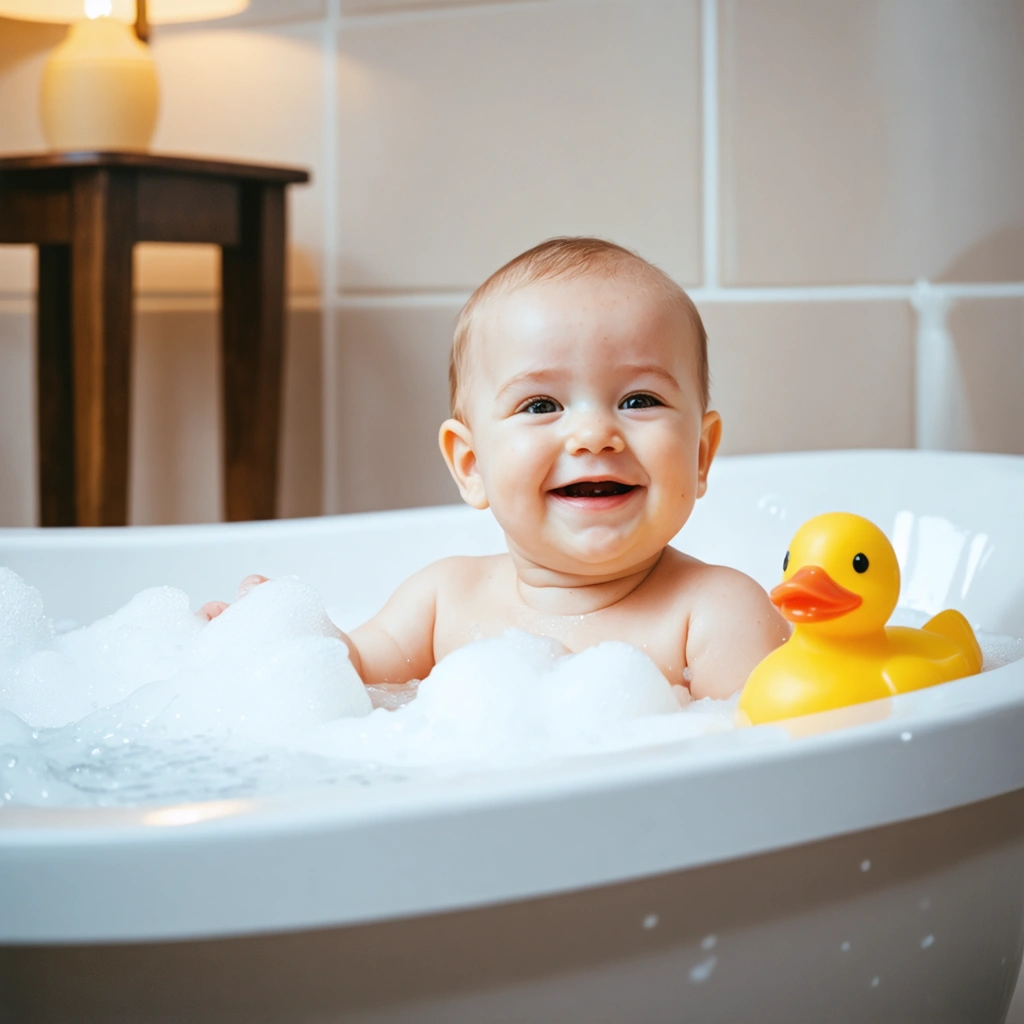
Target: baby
pixel 579 395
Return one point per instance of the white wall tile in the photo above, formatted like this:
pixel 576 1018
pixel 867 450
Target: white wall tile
pixel 380 6
pixel 872 140
pixel 175 445
pixel 265 12
pixel 300 472
pixel 18 503
pixel 989 339
pixel 24 47
pixel 176 439
pixel 464 140
pixel 247 95
pixel 793 376
pixel 392 394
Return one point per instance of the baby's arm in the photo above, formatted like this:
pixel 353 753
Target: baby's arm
pixel 732 627
pixel 397 644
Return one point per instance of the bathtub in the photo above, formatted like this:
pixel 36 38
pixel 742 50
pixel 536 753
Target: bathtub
pixel 869 868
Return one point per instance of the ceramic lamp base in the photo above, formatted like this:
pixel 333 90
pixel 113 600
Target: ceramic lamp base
pixel 100 89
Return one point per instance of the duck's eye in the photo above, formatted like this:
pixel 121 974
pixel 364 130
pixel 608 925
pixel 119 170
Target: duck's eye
pixel 638 401
pixel 785 562
pixel 541 406
pixel 860 563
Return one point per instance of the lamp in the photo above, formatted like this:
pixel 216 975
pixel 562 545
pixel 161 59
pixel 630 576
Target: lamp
pixel 100 88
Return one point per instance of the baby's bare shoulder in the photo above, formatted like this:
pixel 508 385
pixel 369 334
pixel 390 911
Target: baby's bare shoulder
pixel 420 598
pixel 731 626
pixel 466 572
pixel 717 599
pixel 700 582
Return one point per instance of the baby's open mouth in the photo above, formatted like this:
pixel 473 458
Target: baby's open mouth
pixel 594 489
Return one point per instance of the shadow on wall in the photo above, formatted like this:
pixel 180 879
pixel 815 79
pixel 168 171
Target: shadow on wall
pixel 989 258
pixel 988 337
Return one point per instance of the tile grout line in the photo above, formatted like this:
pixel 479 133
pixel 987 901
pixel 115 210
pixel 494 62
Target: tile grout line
pixel 331 446
pixel 709 108
pixel 23 302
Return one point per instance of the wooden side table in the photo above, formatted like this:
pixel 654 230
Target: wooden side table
pixel 85 212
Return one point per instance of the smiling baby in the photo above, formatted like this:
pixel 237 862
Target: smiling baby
pixel 579 396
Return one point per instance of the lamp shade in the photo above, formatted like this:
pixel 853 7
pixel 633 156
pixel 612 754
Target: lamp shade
pixel 158 12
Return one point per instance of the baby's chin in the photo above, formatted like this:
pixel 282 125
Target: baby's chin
pixel 591 558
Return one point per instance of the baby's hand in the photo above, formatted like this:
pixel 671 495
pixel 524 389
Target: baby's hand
pixel 212 609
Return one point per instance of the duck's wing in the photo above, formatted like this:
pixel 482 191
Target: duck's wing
pixel 953 626
pixel 905 672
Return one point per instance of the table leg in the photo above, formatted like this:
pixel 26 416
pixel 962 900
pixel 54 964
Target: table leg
pixel 252 332
pixel 54 394
pixel 103 206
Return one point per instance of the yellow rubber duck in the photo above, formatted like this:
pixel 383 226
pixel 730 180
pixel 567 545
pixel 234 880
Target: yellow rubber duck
pixel 840 584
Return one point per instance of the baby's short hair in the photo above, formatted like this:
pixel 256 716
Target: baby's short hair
pixel 567 258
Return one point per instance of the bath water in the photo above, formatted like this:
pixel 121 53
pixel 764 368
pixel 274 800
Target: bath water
pixel 152 705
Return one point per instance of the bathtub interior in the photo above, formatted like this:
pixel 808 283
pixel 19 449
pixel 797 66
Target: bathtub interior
pixel 952 519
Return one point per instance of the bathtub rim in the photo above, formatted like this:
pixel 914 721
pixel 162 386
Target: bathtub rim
pixel 733 813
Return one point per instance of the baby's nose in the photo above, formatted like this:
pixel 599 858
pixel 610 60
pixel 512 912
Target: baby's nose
pixel 594 434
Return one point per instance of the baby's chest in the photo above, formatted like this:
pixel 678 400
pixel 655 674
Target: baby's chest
pixel 660 635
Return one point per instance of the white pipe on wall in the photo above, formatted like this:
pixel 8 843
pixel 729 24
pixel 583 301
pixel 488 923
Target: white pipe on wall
pixel 939 398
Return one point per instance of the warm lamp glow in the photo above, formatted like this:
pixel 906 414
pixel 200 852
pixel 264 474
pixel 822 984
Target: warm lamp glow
pixel 100 88
pixel 158 12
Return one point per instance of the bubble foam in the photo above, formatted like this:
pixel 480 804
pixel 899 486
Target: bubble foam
pixel 154 705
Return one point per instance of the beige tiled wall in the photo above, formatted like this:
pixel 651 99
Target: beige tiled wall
pixel 465 140
pixel 797 163
pixel 872 140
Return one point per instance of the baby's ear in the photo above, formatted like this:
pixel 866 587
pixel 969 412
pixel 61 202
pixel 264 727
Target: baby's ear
pixel 710 437
pixel 456 440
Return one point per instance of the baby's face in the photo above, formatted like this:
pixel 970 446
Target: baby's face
pixel 586 434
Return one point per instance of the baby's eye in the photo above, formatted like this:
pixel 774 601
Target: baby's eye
pixel 541 406
pixel 640 401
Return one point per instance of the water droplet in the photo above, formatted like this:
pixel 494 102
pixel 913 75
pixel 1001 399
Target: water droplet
pixel 11 762
pixel 925 904
pixel 708 942
pixel 875 982
pixel 906 736
pixel 865 865
pixel 845 947
pixel 702 971
pixel 651 921
pixel 772 505
pixel 927 941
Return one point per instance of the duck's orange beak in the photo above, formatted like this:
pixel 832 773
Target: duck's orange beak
pixel 811 595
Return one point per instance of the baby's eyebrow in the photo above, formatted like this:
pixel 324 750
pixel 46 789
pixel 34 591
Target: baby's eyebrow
pixel 650 370
pixel 536 377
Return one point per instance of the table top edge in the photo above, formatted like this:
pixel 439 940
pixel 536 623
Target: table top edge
pixel 155 162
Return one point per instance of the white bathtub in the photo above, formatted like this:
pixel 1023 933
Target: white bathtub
pixel 848 874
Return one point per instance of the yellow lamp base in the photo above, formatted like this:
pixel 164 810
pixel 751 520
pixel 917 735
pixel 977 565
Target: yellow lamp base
pixel 100 89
